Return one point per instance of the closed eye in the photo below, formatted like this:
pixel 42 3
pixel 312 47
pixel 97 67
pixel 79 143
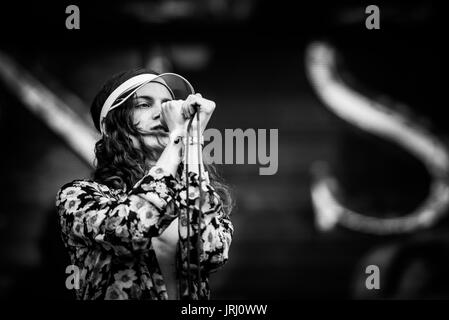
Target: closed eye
pixel 143 105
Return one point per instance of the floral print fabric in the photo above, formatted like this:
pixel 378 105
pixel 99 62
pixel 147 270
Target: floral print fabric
pixel 108 235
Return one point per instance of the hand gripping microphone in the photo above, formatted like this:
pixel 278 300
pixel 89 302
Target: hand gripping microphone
pixel 195 106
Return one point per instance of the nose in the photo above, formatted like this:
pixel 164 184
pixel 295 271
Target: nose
pixel 157 111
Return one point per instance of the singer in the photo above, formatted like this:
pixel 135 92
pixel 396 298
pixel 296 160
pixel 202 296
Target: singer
pixel 133 229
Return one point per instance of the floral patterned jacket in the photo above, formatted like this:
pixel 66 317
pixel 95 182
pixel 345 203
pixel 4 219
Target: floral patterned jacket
pixel 108 235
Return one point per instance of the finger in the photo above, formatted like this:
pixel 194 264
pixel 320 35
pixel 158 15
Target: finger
pixel 190 98
pixel 186 109
pixel 189 104
pixel 207 106
pixel 196 99
pixel 192 109
pixel 164 107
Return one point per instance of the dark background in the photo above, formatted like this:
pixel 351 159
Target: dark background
pixel 248 56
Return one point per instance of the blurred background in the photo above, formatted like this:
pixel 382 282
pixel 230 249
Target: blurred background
pixel 264 63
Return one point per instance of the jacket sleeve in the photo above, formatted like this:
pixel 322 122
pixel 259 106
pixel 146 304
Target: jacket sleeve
pixel 89 216
pixel 216 228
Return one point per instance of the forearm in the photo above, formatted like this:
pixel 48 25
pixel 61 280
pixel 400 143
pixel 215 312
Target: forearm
pixel 171 157
pixel 215 230
pixel 127 224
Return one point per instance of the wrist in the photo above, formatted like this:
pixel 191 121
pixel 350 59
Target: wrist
pixel 176 137
pixel 178 130
pixel 193 140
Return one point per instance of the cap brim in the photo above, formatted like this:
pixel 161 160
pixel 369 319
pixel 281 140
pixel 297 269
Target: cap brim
pixel 180 87
pixel 177 85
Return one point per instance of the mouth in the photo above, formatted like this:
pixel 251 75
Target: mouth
pixel 159 128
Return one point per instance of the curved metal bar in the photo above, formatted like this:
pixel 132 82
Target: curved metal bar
pixel 50 108
pixel 374 117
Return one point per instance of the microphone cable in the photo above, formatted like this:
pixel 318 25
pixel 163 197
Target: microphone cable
pixel 200 213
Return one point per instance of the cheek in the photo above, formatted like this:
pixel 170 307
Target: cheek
pixel 142 118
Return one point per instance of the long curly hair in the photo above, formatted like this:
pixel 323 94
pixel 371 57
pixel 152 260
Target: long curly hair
pixel 119 164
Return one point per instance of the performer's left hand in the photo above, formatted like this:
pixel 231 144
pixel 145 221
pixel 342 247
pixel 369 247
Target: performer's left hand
pixel 205 108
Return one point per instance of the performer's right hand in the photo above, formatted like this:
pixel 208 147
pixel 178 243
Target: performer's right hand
pixel 171 114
